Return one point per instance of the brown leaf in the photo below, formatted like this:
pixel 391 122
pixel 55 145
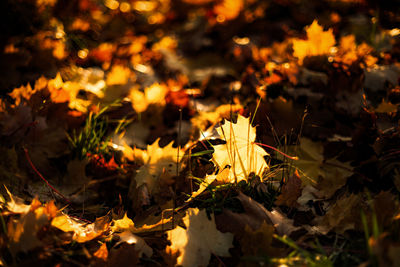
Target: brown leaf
pixel 385 206
pixel 291 191
pixel 255 214
pixel 124 255
pixel 258 242
pixel 343 215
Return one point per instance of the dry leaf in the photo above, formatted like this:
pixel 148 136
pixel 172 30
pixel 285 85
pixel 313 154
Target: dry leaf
pixel 221 177
pixel 240 152
pixel 254 215
pixel 199 239
pixel 151 224
pixel 331 175
pixel 119 75
pixel 258 242
pixel 153 95
pixel 83 232
pixel 102 252
pixel 291 191
pixel 125 255
pixel 160 164
pixel 23 232
pixel 343 215
pixel 319 42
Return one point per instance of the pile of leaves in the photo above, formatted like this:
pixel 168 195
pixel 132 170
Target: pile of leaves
pixel 199 132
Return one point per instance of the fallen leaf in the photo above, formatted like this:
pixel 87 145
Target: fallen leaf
pixel 153 95
pixel 102 252
pixel 23 232
pixel 291 191
pixel 221 177
pixel 254 215
pixel 258 242
pixel 199 239
pixel 319 42
pixel 343 215
pixel 240 153
pixel 119 75
pixel 150 224
pixel 160 164
pixel 83 232
pixel 328 176
pixel 124 255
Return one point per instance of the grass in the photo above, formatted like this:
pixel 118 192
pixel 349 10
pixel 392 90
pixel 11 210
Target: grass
pixel 93 139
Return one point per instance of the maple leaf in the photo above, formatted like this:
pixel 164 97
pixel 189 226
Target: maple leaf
pixel 209 179
pixel 331 175
pixel 291 191
pixel 155 94
pixel 199 239
pixel 83 232
pixel 23 232
pixel 22 93
pixel 319 42
pixel 206 118
pixel 102 252
pixel 343 215
pixel 151 224
pixel 119 75
pixel 258 242
pixel 159 164
pixel 240 152
pixel 349 52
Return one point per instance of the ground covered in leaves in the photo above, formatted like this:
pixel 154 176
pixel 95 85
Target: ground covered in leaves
pixel 199 132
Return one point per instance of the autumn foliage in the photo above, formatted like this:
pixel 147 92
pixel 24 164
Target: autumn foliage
pixel 199 133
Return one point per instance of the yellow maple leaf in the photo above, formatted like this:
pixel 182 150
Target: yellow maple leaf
pixel 155 94
pixel 240 153
pixel 151 224
pixel 159 164
pixel 319 42
pixel 23 232
pixel 199 239
pixel 119 75
pixel 206 118
pixel 22 93
pixel 221 177
pixel 83 232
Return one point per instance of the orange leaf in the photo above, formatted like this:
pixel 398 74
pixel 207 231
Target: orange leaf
pixel 102 252
pixel 319 42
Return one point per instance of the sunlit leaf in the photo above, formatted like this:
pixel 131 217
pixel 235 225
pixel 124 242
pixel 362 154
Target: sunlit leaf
pixel 199 239
pixel 240 152
pixel 319 42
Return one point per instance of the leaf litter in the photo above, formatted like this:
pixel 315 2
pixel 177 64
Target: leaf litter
pixel 198 132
